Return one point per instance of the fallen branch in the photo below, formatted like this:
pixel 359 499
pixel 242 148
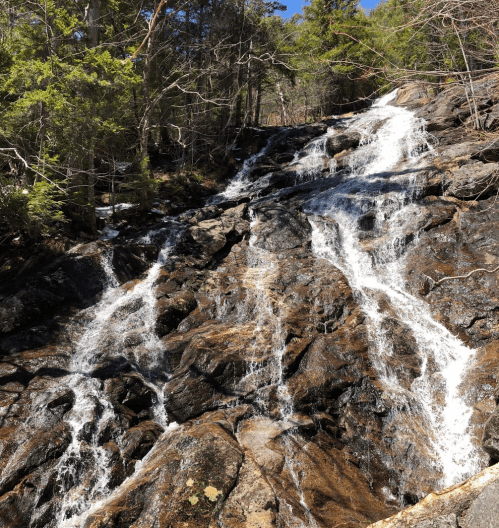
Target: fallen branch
pixel 436 283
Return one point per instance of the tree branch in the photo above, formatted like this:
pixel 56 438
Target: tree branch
pixel 459 277
pixel 25 163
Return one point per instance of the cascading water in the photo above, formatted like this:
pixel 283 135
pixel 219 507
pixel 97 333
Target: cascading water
pixel 241 180
pixel 313 163
pixel 260 262
pixel 122 315
pixel 264 310
pixel 380 187
pixel 261 309
pixel 375 194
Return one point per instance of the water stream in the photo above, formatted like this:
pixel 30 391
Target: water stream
pixel 382 185
pixel 123 316
pixel 313 162
pixel 377 194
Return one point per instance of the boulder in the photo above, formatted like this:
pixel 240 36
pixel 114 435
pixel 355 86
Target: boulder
pixel 474 179
pixel 413 96
pixel 33 453
pixel 172 311
pixel 212 235
pixel 186 479
pixel 340 142
pixel 484 510
pixel 473 502
pixel 139 440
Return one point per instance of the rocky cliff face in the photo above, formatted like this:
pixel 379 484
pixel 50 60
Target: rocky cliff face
pixel 287 355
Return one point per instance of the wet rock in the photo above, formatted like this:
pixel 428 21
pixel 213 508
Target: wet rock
pixel 172 311
pixel 291 464
pixel 271 183
pixel 31 502
pixel 261 170
pixel 185 479
pixel 166 289
pixel 340 142
pixel 295 139
pixel 252 502
pixel 139 440
pixel 75 278
pixel 455 248
pixel 472 502
pixel 132 260
pixel 130 391
pixel 263 352
pixel 278 228
pixel 117 470
pixel 285 157
pixel 213 235
pixel 207 371
pixel 490 440
pixel 44 446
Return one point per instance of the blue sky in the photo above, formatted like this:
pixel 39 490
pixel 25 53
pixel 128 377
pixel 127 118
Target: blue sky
pixel 295 6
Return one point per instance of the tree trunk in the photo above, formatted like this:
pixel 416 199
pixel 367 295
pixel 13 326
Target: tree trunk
pixel 258 102
pixel 145 122
pixel 283 103
pixel 92 16
pixel 250 88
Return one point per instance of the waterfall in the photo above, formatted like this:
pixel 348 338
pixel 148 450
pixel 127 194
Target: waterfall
pixel 300 347
pixel 313 162
pixel 428 421
pixel 262 310
pixel 123 314
pixel 241 180
pixel 382 184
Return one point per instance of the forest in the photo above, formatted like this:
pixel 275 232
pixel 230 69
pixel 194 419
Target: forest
pixel 103 101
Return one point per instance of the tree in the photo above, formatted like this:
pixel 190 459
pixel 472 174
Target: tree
pixel 89 85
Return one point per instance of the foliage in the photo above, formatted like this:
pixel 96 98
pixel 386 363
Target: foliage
pixel 79 97
pixel 34 212
pixel 44 207
pixel 13 208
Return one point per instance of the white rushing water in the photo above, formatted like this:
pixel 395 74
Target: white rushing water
pixel 123 316
pixel 105 211
pixel 383 182
pixel 313 163
pixel 261 309
pixel 241 180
